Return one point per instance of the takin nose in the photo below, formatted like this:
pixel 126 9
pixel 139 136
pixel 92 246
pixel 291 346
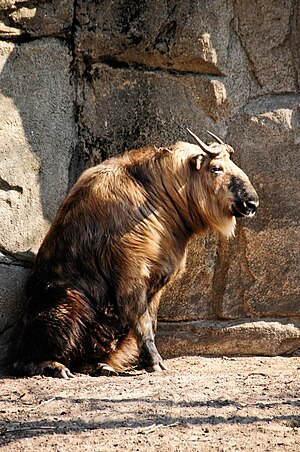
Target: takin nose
pixel 251 207
pixel 246 207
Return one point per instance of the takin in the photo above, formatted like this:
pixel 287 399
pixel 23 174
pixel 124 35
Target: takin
pixel 118 238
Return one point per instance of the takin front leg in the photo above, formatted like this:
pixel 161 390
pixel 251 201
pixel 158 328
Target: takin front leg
pixel 150 359
pixel 153 310
pixel 140 316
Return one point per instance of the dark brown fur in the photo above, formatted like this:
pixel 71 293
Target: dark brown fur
pixel 119 237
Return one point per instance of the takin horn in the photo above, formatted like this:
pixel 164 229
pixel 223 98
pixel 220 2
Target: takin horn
pixel 229 149
pixel 215 137
pixel 211 152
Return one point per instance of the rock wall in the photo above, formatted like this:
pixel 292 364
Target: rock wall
pixel 84 80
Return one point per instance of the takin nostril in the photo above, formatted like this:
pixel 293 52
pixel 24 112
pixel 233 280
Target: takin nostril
pixel 251 206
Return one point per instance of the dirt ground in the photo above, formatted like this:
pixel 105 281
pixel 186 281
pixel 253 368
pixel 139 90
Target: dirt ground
pixel 200 404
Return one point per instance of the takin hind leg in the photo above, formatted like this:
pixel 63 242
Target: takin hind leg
pixel 123 358
pixel 49 368
pixel 51 337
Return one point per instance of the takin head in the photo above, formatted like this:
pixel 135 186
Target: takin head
pixel 226 192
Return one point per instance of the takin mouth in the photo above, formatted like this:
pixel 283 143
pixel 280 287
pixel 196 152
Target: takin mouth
pixel 244 209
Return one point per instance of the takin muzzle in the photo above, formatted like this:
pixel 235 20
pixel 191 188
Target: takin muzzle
pixel 245 197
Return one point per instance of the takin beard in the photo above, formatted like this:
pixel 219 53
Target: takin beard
pixel 227 227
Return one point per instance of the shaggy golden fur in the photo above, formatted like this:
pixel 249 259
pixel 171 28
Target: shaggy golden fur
pixel 119 237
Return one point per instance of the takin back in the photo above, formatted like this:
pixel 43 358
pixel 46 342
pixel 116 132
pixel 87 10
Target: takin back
pixel 118 238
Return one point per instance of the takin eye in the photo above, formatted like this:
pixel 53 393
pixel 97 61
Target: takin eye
pixel 216 170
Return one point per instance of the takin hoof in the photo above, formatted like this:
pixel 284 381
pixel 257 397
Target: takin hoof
pixel 156 367
pixel 105 370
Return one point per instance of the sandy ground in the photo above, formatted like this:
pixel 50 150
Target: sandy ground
pixel 200 404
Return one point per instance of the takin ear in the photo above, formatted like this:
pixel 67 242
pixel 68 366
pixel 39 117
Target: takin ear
pixel 197 161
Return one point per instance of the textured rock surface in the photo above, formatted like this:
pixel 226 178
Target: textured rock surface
pixel 38 18
pixel 183 36
pixel 268 337
pixel 181 301
pixel 266 32
pixel 124 74
pixel 122 109
pixel 37 138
